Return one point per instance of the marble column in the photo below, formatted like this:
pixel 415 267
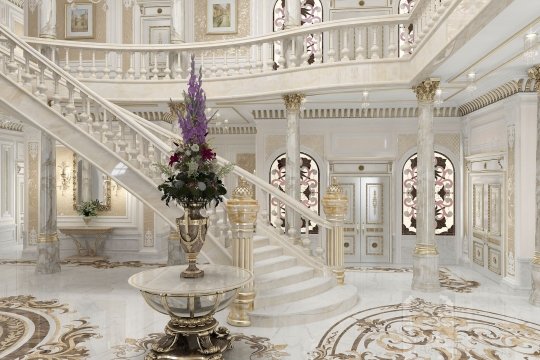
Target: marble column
pixel 48 261
pixel 293 15
pixel 534 73
pixel 47 19
pixel 426 256
pixel 293 103
pixel 178 12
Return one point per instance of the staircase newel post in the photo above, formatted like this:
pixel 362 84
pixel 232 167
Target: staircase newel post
pixel 242 210
pixel 335 205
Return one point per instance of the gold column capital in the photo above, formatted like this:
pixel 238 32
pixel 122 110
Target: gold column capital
pixel 293 101
pixel 534 73
pixel 426 249
pixel 536 259
pixel 425 91
pixel 47 238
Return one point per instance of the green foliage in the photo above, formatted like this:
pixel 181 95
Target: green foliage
pixel 88 208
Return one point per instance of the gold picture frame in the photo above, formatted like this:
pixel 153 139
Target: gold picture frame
pixel 222 17
pixel 80 21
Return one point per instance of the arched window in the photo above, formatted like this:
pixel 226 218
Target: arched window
pixel 311 13
pixel 406 33
pixel 309 189
pixel 444 196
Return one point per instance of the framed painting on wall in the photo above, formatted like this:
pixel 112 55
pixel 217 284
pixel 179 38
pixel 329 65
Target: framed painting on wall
pixel 221 17
pixel 79 21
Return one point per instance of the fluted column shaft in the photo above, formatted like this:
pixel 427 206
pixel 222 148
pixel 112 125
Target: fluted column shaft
pixel 178 12
pixel 534 73
pixel 48 261
pixel 47 19
pixel 292 167
pixel 425 257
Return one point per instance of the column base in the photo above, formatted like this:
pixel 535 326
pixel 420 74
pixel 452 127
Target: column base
pixel 242 304
pixel 48 261
pixel 426 273
pixel 535 292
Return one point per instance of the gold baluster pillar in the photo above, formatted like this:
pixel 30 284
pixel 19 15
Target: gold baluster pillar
pixel 335 204
pixel 242 210
pixel 534 73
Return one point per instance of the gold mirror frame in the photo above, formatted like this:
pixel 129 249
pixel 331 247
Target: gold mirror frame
pixel 102 206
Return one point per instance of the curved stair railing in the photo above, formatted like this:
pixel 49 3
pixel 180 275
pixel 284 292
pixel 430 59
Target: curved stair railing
pixel 119 143
pixel 360 39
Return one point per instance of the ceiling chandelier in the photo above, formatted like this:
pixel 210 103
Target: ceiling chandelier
pixel 530 47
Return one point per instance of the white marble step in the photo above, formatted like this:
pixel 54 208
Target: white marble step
pixel 293 292
pixel 267 252
pixel 283 277
pixel 260 240
pixel 273 264
pixel 337 300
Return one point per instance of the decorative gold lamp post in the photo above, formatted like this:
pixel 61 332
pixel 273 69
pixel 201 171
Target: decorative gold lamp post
pixel 335 204
pixel 242 211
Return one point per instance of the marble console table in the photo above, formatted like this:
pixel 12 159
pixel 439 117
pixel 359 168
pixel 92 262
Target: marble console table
pixel 193 332
pixel 89 241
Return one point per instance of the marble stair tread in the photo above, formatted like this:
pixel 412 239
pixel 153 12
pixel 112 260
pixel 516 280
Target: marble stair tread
pixel 283 277
pixel 335 301
pixel 260 240
pixel 293 292
pixel 267 252
pixel 273 264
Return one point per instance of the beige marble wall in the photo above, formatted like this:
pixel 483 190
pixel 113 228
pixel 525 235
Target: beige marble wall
pixel 275 142
pixel 448 141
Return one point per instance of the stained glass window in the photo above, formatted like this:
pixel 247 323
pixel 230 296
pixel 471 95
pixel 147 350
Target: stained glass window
pixel 444 196
pixel 309 190
pixel 311 13
pixel 406 33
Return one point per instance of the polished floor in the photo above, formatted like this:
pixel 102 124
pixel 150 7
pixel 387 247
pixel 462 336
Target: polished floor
pixel 88 311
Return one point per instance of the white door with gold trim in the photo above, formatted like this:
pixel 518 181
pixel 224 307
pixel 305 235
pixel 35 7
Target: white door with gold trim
pixel 367 228
pixel 487 222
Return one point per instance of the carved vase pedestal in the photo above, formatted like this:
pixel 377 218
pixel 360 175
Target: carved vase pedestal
pixel 192 228
pixel 192 333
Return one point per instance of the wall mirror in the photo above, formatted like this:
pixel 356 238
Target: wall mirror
pixel 89 183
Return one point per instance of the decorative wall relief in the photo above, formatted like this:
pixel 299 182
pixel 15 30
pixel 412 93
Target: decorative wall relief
pixel 478 207
pixel 148 216
pixel 511 205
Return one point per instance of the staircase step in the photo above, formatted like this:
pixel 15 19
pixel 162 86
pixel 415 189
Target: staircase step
pixel 337 300
pixel 283 277
pixel 260 240
pixel 293 292
pixel 267 252
pixel 274 264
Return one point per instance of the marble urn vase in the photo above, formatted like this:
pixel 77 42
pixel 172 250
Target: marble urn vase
pixel 192 228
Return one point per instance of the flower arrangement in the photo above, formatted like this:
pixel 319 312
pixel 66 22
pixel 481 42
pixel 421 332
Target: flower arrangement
pixel 193 174
pixel 88 208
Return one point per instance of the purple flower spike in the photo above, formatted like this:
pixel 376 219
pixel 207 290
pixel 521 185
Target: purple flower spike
pixel 194 124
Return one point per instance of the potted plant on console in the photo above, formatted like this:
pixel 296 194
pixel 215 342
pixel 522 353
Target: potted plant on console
pixel 88 209
pixel 193 176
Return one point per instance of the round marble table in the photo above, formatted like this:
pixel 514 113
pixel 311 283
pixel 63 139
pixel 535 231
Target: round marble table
pixel 192 333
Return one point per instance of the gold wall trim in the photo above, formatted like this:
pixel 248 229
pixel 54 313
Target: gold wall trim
pixel 499 93
pixel 47 238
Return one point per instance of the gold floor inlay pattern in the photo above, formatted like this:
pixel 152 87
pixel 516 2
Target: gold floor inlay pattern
pixel 97 264
pixel 448 279
pixel 245 347
pixel 419 329
pixel 31 329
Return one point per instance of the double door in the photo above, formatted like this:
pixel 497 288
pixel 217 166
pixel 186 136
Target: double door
pixel 367 223
pixel 487 222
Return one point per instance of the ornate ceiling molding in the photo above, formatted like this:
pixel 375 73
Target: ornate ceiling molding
pixel 355 113
pixel 500 93
pixel 7 124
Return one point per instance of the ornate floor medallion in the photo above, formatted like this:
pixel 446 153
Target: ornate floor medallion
pixel 31 329
pixel 245 347
pixel 448 279
pixel 422 330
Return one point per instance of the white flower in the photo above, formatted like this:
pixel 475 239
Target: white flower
pixel 187 153
pixel 195 147
pixel 201 186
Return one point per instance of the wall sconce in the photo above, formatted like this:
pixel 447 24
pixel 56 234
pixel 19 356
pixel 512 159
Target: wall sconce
pixel 65 177
pixel 365 99
pixel 530 42
pixel 115 188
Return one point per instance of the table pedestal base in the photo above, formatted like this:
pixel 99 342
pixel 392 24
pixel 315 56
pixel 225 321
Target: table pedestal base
pixel 192 339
